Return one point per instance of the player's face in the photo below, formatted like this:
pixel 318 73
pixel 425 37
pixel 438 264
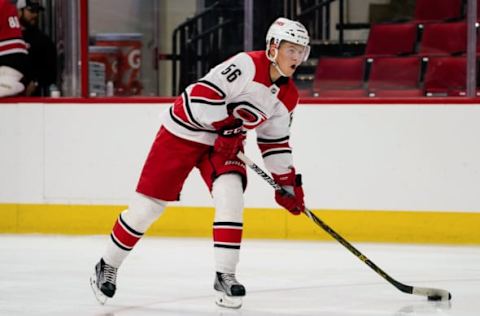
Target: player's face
pixel 290 55
pixel 29 17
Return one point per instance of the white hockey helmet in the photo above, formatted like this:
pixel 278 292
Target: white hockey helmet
pixel 284 29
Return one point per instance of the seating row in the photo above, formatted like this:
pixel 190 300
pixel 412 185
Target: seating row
pixel 410 76
pixel 402 39
pixel 421 57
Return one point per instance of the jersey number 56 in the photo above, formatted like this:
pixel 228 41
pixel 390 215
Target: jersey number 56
pixel 231 72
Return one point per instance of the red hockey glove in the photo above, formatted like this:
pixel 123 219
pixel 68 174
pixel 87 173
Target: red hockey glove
pixel 230 137
pixel 292 183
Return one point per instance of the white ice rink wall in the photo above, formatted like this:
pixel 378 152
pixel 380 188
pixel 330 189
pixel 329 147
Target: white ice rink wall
pixel 418 161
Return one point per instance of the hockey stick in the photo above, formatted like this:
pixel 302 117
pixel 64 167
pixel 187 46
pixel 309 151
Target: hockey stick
pixel 431 293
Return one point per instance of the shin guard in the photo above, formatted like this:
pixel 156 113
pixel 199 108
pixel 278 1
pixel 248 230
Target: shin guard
pixel 227 194
pixel 130 227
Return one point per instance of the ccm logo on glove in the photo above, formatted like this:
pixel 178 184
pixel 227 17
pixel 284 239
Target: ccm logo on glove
pixel 230 137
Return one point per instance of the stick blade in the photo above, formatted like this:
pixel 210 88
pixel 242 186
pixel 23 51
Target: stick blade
pixel 432 294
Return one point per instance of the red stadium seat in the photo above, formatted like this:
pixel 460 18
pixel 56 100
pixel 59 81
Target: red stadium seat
pixel 444 39
pixel 334 73
pixel 394 73
pixel 446 76
pixel 437 10
pixel 344 93
pixel 391 39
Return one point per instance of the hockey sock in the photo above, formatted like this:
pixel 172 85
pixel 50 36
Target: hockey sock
pixel 227 194
pixel 130 227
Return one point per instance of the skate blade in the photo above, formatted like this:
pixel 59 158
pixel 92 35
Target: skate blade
pixel 101 298
pixel 223 300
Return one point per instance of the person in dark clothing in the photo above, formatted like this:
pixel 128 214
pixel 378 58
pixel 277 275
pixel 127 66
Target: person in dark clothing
pixel 42 53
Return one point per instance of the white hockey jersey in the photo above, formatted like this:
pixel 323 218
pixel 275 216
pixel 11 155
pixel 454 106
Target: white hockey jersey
pixel 240 86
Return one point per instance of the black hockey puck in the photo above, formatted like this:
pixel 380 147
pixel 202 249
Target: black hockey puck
pixel 438 297
pixel 435 298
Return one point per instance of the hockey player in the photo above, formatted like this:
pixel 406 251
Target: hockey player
pixel 13 51
pixel 205 128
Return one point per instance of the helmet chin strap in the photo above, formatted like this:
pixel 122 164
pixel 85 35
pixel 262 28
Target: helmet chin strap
pixel 274 62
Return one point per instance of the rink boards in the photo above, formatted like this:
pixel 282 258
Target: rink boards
pixel 373 226
pixel 374 172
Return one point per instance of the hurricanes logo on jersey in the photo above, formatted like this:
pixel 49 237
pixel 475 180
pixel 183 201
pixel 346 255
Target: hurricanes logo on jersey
pixel 248 113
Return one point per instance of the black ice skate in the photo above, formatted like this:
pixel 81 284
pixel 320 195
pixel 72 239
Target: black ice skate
pixel 103 281
pixel 229 291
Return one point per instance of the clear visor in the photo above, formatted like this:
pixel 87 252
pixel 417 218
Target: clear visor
pixel 298 53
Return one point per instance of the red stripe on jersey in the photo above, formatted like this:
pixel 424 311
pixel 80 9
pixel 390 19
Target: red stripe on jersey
pixel 200 90
pixel 12 46
pixel 227 235
pixel 289 95
pixel 123 235
pixel 262 67
pixel 179 110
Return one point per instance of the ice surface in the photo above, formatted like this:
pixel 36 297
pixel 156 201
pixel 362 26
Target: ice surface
pixel 48 275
